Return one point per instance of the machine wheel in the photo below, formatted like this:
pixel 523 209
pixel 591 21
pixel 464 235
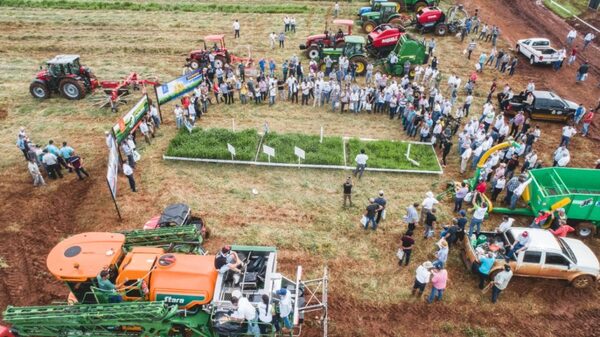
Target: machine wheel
pixel 312 52
pixel 441 29
pixel 369 26
pixel 419 5
pixel 220 61
pixel 585 230
pixel 72 89
pixel 39 90
pixel 532 60
pixel 582 281
pixel 194 64
pixel 361 64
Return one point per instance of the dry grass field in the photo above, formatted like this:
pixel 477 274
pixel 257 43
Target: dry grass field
pixel 298 211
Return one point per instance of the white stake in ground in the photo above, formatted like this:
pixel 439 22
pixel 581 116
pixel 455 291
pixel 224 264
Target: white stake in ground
pixel 269 151
pixel 414 162
pixel 322 131
pixel 231 150
pixel 300 154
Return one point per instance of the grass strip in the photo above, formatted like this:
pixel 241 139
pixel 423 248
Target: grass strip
pixel 392 155
pixel 575 7
pixel 155 7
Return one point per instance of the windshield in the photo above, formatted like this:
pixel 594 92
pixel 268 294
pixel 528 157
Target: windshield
pixel 567 250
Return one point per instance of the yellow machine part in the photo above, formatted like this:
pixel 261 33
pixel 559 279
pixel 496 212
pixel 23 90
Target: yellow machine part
pixel 489 152
pixel 561 203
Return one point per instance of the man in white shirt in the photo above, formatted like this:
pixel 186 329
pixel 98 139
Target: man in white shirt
pixel 558 154
pixel 285 307
pixel 571 37
pixel 34 170
pixel 245 311
pixel 51 162
pixel 564 160
pixel 588 39
pixel 236 29
pixel 423 275
pixel 128 172
pixel 361 163
pixel 520 245
pixel 427 206
pixel 505 225
pixel 501 282
pixel 464 159
pixel 567 132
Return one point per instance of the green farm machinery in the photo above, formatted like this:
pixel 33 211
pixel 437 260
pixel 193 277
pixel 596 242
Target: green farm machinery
pixel 353 49
pixel 387 13
pixel 183 239
pixel 407 49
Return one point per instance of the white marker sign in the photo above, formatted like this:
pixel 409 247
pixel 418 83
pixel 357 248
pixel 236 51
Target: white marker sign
pixel 269 151
pixel 299 152
pixel 231 150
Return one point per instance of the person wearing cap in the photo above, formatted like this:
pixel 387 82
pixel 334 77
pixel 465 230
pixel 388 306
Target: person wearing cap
pixel 439 281
pixel 486 262
pixel 380 200
pixel 423 274
pixel 371 212
pixel 442 254
pixel 501 282
pixel 226 259
pixel 285 307
pixel 427 206
pixel 520 245
pixel 245 311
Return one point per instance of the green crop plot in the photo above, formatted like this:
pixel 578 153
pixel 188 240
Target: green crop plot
pixel 383 154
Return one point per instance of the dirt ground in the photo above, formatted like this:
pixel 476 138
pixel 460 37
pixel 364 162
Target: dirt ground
pixel 297 211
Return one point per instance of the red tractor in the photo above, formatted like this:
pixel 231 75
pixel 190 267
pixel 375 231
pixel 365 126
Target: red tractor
pixel 64 75
pixel 382 40
pixel 315 43
pixel 434 19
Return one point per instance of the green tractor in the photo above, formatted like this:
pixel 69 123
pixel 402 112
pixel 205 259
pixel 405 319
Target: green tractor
pixel 387 14
pixel 353 49
pixel 407 49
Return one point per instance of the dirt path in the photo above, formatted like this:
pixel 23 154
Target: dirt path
pixel 520 19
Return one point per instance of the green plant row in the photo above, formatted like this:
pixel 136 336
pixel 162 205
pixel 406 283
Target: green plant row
pixel 392 155
pixel 212 144
pixel 154 7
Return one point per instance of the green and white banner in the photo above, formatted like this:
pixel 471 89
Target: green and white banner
pixel 179 86
pixel 130 121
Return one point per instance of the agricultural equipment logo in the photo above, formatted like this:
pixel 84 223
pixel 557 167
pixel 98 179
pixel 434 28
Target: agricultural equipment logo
pixel 174 300
pixel 179 299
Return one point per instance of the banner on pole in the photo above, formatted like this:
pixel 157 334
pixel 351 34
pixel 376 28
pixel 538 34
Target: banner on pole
pixel 113 168
pixel 178 87
pixel 129 122
pixel 299 152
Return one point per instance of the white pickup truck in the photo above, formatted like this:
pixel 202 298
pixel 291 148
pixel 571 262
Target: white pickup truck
pixel 547 256
pixel 538 50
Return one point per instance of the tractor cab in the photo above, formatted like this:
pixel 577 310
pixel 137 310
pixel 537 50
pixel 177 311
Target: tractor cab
pixel 63 74
pixel 329 39
pixel 354 45
pixel 387 14
pixel 375 7
pixel 63 65
pixel 213 44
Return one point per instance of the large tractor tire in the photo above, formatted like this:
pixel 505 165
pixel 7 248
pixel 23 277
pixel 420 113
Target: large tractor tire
pixel 441 29
pixel 361 64
pixel 313 52
pixel 369 26
pixel 220 61
pixel 39 90
pixel 72 89
pixel 420 5
pixel 585 230
pixel 194 64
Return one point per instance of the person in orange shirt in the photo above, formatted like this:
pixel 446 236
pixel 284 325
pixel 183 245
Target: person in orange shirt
pixel 563 230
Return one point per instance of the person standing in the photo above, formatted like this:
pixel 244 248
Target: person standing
pixel 587 121
pixel 438 282
pixel 571 37
pixel 178 112
pixel 587 40
pixel 272 38
pixel 129 153
pixel 582 72
pixel 501 281
pixel 430 221
pixel 336 9
pixel 573 56
pixel 347 186
pixel 361 163
pixel 281 40
pixel 236 29
pixel 77 164
pixel 34 170
pixel 477 219
pixel 370 213
pixel 427 206
pixel 460 195
pixel 128 172
pixel 486 262
pixel 568 131
pixel 412 216
pixel 442 254
pixel 407 245
pixel 446 147
pixel 380 200
pixel 423 274
pixel 470 48
pixel 51 163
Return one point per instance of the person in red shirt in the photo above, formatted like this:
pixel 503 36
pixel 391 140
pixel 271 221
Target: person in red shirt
pixel 480 188
pixel 541 219
pixel 563 230
pixel 587 120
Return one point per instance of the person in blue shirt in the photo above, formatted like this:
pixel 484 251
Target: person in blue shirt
pixel 579 112
pixel 486 262
pixel 66 152
pixel 55 151
pixel 262 63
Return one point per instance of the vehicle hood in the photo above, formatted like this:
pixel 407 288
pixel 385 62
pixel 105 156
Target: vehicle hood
pixel 197 51
pixel 369 15
pixel 586 259
pixel 42 74
pixel 572 105
pixel 364 10
pixel 315 37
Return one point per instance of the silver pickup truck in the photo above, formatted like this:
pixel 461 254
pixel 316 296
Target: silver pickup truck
pixel 538 50
pixel 547 256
